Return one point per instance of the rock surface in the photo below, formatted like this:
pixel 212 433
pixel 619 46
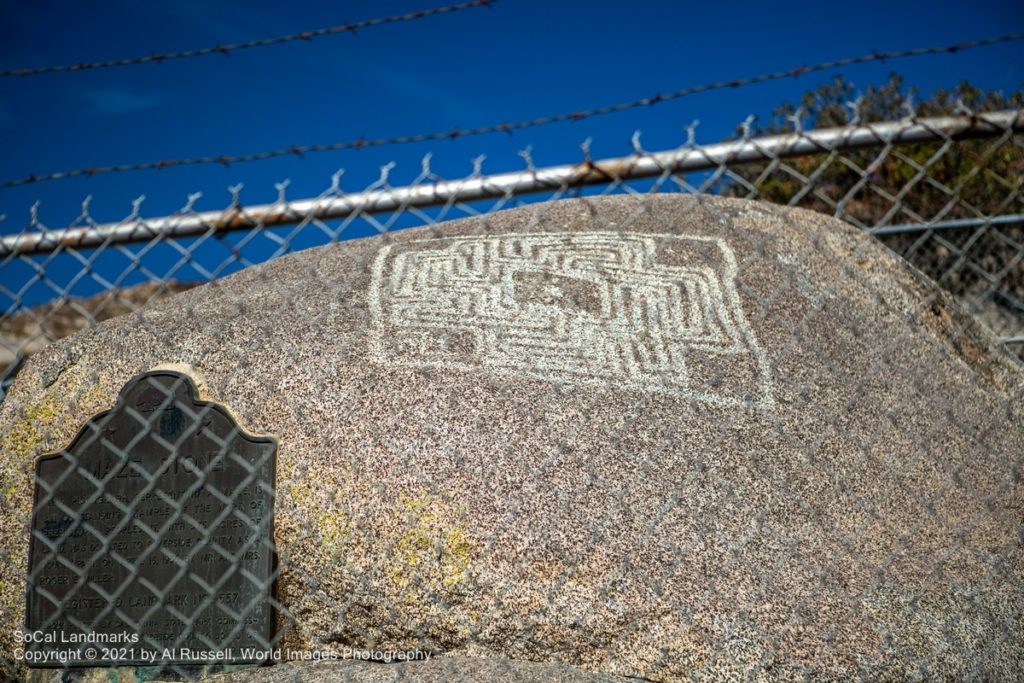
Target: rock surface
pixel 436 670
pixel 663 437
pixel 29 332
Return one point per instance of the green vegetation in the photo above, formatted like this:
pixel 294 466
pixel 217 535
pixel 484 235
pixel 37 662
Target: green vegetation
pixel 913 183
pixel 905 184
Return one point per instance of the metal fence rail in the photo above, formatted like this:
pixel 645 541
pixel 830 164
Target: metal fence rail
pixel 507 185
pixel 507 127
pixel 976 254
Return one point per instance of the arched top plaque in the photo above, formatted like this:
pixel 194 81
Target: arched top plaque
pixel 156 520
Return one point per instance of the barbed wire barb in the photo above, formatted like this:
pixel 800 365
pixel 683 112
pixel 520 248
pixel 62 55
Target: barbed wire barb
pixel 381 197
pixel 227 48
pixel 451 134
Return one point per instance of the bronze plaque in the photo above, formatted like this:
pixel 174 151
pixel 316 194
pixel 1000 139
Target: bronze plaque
pixel 152 535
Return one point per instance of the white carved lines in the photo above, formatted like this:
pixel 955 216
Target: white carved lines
pixel 650 312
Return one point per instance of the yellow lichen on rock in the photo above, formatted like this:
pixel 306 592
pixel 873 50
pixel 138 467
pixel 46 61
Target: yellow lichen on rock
pixel 43 418
pixel 433 547
pixel 334 527
pixel 25 434
pixel 459 552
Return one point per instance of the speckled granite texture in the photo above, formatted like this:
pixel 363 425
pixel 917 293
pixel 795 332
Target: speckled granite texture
pixel 437 670
pixel 663 437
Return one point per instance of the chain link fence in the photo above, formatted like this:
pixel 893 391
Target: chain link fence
pixel 183 553
pixel 942 193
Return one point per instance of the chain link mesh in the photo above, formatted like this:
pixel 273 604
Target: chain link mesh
pixel 947 201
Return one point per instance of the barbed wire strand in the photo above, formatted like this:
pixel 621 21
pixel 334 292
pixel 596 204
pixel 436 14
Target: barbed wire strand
pixel 362 143
pixel 227 48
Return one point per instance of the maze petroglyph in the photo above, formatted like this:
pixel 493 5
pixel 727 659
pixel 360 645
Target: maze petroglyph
pixel 640 311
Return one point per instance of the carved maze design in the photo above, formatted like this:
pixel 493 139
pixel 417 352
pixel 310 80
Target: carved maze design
pixel 649 312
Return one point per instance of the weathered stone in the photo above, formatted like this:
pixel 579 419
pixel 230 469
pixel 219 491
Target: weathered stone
pixel 660 437
pixel 435 670
pixel 30 331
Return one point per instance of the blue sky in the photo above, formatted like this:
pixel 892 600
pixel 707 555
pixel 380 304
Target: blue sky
pixel 518 59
